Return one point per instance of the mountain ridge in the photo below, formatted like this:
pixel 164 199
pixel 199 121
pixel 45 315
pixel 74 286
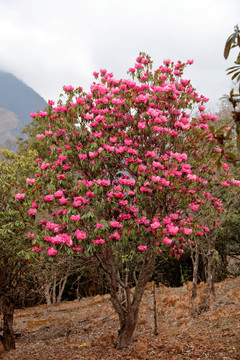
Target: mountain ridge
pixel 17 101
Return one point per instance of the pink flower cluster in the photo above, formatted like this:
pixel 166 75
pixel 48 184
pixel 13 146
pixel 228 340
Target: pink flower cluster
pixel 124 158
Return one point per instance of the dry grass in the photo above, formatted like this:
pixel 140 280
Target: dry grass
pixel 88 329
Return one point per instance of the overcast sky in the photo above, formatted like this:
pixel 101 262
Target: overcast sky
pixel 51 43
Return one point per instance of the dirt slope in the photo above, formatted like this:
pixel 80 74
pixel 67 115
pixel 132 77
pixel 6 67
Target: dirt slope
pixel 88 329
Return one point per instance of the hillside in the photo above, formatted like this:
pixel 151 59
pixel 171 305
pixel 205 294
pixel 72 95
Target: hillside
pixel 88 329
pixel 17 101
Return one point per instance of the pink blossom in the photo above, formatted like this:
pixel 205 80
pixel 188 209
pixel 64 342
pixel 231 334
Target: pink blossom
pixel 206 228
pixel 173 230
pixel 58 194
pixel 142 125
pixel 235 182
pixel 90 194
pixel 99 225
pixel 167 241
pixel 92 154
pixel 115 235
pixel 155 225
pixel 82 156
pixel 78 200
pixel 20 196
pixel 75 217
pixel 42 113
pixel 80 235
pixel 60 176
pixel 151 154
pixel 225 183
pixel 49 198
pixel 187 231
pixel 113 139
pixel 167 61
pixel 164 182
pixel 132 70
pixel 32 212
pixel 192 177
pixel 68 88
pixel 173 133
pixel 62 158
pixel 44 165
pixel 34 205
pixel 157 164
pixel 30 181
pixel 142 167
pixel 66 167
pixel 120 149
pixel 155 179
pixel 226 167
pixel 128 142
pixel 67 239
pixel 142 247
pixel 37 249
pixel 63 200
pixel 133 209
pixel 194 207
pixel 123 202
pixel 174 216
pixel 115 224
pixel 30 235
pixel 98 241
pixel 77 248
pixel 51 251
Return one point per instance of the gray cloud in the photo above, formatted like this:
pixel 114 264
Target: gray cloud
pixel 52 43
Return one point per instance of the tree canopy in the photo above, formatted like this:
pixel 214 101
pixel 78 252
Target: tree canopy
pixel 128 174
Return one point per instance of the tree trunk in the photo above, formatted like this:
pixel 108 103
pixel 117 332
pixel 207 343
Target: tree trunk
pixel 47 293
pixel 127 326
pixel 127 309
pixel 61 288
pixel 210 288
pixel 54 295
pixel 195 260
pixel 8 335
pixel 155 332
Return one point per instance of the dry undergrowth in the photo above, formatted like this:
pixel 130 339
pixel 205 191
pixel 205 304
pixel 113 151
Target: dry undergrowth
pixel 88 329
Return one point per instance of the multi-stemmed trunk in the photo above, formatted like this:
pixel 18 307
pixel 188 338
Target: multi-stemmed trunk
pixel 8 338
pixel 127 304
pixel 128 324
pixel 195 261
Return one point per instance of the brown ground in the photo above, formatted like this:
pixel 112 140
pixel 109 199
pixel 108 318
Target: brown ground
pixel 88 329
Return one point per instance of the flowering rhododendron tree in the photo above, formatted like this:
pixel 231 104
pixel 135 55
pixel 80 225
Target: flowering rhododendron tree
pixel 127 174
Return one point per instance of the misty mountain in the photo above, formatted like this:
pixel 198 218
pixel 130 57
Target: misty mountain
pixel 17 101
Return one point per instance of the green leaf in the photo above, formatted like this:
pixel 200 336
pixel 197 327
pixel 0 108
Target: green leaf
pixel 235 75
pixel 228 45
pixel 212 145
